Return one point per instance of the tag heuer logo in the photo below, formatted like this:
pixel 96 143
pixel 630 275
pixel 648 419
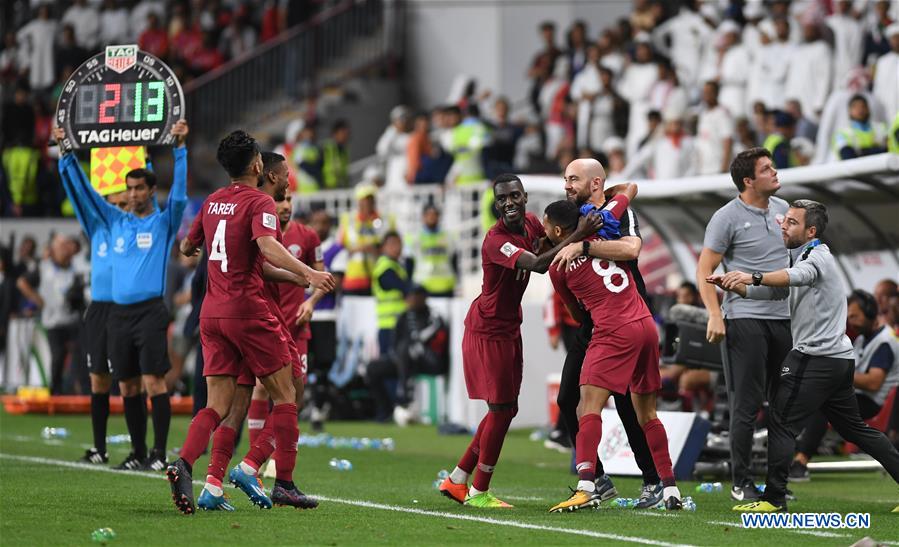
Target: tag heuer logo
pixel 121 58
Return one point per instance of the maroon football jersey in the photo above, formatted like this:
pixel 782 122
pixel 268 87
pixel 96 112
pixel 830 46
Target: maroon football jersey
pixel 496 312
pixel 303 243
pixel 606 289
pixel 230 221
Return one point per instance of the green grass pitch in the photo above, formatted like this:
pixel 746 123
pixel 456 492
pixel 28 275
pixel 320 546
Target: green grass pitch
pixel 388 498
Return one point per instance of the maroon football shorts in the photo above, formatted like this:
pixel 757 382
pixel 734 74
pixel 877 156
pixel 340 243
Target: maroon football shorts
pixel 492 367
pixel 625 357
pixel 233 344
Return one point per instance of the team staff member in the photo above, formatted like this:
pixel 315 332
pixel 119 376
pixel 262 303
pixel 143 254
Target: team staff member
pixel 745 235
pixel 817 373
pixel 584 185
pixel 97 314
pixel 141 242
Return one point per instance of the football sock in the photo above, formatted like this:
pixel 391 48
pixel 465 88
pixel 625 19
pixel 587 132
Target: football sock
pixel 671 491
pixel 99 419
pixel 262 449
pixel 201 428
pixel 162 417
pixel 222 450
pixel 256 418
pixel 214 486
pixel 136 420
pixel 459 476
pixel 247 468
pixel 470 458
pixel 658 445
pixel 287 432
pixel 589 434
pixel 491 444
pixel 472 492
pixel 586 486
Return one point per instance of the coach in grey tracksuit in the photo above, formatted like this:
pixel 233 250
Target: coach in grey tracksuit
pixel 818 372
pixel 745 235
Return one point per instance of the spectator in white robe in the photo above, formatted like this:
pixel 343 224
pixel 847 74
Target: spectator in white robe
pixel 635 85
pixel 768 73
pixel 753 12
pixel 848 40
pixel 667 92
pixel 810 72
pixel 731 71
pixel 667 157
pixel 886 74
pixel 37 40
pixel 610 52
pixel 714 134
pixel 114 27
pixel 392 146
pixel 778 9
pixel 585 88
pixel 687 33
pixel 85 20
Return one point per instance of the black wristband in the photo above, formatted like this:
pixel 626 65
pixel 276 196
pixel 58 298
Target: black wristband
pixel 585 248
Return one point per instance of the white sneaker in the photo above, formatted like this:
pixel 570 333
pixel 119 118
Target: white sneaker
pixel 403 416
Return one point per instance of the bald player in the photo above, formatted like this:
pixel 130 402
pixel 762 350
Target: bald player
pixel 585 186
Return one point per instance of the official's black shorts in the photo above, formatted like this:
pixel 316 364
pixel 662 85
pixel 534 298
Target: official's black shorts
pixel 323 345
pixel 96 320
pixel 137 339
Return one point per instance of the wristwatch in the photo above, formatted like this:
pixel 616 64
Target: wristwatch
pixel 756 278
pixel 585 248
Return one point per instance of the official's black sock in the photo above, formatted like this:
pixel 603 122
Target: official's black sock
pixel 162 417
pixel 136 419
pixel 99 419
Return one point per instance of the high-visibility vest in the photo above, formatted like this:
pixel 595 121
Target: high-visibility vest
pixel 893 137
pixel 336 166
pixel 389 304
pixel 488 214
pixel 468 140
pixel 774 140
pixel 21 164
pixel 354 232
pixel 306 153
pixel 433 263
pixel 859 139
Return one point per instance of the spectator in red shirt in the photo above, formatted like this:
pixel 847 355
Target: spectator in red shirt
pixel 154 39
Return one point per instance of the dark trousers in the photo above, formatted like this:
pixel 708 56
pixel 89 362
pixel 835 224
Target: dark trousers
pixel 753 352
pixel 569 340
pixel 805 385
pixel 816 427
pixel 199 382
pixel 322 352
pixel 62 342
pixel 570 396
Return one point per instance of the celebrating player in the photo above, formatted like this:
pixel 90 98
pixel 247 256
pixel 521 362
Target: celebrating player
pixel 623 353
pixel 237 328
pixel 491 345
pixel 283 303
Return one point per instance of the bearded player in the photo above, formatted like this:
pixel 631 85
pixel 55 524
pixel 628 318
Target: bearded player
pixel 278 287
pixel 237 328
pixel 491 345
pixel 623 354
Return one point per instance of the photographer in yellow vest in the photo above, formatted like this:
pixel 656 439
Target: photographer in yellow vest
pixel 360 233
pixel 432 255
pixel 862 137
pixel 390 283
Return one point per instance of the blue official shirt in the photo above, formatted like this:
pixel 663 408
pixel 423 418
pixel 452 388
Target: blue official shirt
pixel 94 225
pixel 140 247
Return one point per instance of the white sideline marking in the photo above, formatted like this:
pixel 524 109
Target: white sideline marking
pixel 371 505
pixel 806 532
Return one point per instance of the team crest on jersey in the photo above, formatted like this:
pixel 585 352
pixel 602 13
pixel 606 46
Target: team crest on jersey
pixel 508 249
pixel 295 250
pixel 269 221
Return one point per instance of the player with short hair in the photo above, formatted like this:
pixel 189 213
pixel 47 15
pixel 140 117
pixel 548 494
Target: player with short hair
pixel 280 289
pixel 623 354
pixel 491 345
pixel 237 328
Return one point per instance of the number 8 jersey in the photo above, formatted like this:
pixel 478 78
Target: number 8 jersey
pixel 230 221
pixel 604 288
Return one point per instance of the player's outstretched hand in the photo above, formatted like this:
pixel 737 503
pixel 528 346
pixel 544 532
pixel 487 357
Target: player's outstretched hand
pixel 322 280
pixel 717 280
pixel 566 256
pixel 180 130
pixel 304 314
pixel 732 280
pixel 187 248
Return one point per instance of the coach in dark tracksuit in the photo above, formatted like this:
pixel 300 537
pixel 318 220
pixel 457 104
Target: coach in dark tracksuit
pixel 818 371
pixel 624 252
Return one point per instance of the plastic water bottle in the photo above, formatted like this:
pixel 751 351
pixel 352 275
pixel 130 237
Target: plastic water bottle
pixel 388 444
pixel 340 465
pixel 624 503
pixel 709 487
pixel 436 484
pixel 102 535
pixel 118 439
pixel 54 433
pixel 442 474
pixel 688 504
